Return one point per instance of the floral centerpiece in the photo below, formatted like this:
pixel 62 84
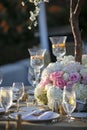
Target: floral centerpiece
pixel 56 75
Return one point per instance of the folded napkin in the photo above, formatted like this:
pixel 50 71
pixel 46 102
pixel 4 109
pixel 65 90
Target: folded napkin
pixel 38 115
pixel 46 115
pixel 33 115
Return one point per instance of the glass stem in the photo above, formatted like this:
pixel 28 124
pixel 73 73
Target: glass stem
pixel 37 75
pixel 59 59
pixel 17 105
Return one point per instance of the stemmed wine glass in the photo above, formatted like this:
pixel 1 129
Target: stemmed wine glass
pixel 6 99
pixel 37 62
pixel 69 102
pixel 1 77
pixel 31 76
pixel 18 92
pixel 58 46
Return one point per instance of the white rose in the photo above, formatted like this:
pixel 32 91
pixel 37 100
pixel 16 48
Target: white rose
pixel 66 76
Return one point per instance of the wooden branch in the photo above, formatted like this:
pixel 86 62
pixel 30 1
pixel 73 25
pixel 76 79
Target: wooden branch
pixel 72 5
pixel 74 13
pixel 78 7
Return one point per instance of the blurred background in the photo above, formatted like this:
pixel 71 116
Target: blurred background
pixel 16 38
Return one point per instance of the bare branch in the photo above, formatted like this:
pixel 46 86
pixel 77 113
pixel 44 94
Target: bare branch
pixel 78 7
pixel 73 5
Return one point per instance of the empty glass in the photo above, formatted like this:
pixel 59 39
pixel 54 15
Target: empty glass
pixel 18 92
pixel 6 98
pixel 1 77
pixel 69 102
pixel 58 46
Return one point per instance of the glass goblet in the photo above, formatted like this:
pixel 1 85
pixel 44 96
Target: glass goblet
pixel 69 102
pixel 1 77
pixel 58 46
pixel 37 61
pixel 6 99
pixel 31 77
pixel 18 92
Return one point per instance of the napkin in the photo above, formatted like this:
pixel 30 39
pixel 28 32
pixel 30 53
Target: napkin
pixel 33 115
pixel 46 115
pixel 38 115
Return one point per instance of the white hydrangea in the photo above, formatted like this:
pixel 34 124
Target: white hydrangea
pixel 67 59
pixel 38 91
pixel 40 95
pixel 53 93
pixel 83 71
pixel 81 91
pixel 52 67
pixel 70 58
pixel 84 59
pixel 72 67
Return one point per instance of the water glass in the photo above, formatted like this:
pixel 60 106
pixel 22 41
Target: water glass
pixel 69 102
pixel 6 98
pixel 18 92
pixel 1 77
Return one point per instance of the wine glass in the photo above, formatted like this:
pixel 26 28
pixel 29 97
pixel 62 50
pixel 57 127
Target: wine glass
pixel 18 92
pixel 69 102
pixel 37 62
pixel 1 77
pixel 58 46
pixel 31 76
pixel 6 98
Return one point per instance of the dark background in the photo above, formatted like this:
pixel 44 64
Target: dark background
pixel 15 38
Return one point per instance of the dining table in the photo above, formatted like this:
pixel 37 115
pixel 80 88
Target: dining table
pixel 60 125
pixel 56 124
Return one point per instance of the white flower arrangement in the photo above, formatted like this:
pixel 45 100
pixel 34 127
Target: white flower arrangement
pixel 57 75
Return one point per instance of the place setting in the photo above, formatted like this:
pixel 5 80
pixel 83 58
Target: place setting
pixel 38 115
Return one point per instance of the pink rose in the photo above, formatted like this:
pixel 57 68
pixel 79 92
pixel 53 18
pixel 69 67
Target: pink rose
pixel 59 82
pixel 55 75
pixel 45 81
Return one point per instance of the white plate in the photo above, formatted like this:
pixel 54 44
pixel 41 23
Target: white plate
pixel 35 118
pixel 2 110
pixel 28 109
pixel 80 114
